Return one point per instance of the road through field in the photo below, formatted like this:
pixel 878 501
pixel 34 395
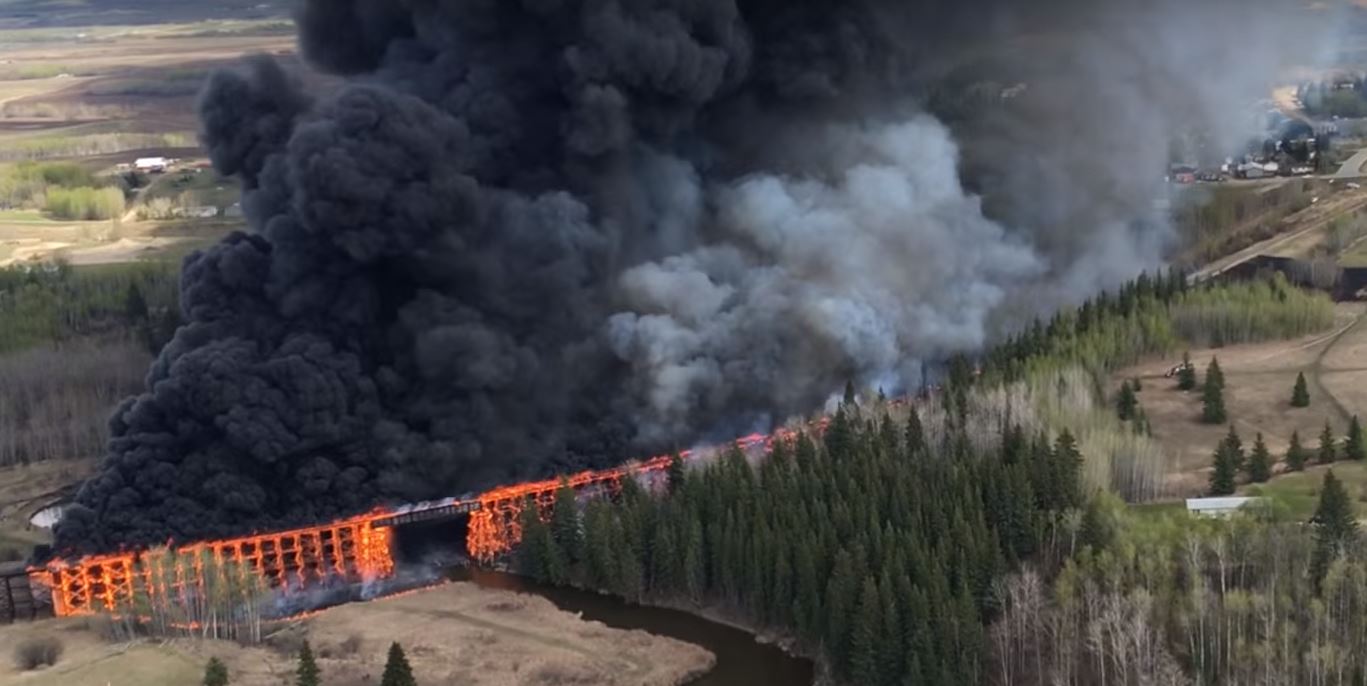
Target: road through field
pixel 1317 368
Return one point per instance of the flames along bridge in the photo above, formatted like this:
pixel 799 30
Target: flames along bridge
pixel 355 549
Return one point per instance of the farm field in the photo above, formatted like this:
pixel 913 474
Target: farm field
pixel 103 94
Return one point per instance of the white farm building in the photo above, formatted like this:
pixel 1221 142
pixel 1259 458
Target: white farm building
pixel 154 165
pixel 1216 507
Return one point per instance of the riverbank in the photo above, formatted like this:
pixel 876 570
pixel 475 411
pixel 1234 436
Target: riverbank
pixel 745 657
pixel 786 642
pixel 452 633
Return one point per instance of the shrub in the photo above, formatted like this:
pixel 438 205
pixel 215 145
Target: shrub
pixel 351 645
pixel 215 673
pixel 32 653
pixel 84 203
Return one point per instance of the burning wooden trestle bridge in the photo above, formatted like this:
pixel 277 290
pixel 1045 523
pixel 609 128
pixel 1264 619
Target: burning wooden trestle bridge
pixel 356 549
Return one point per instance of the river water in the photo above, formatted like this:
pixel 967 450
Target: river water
pixel 741 660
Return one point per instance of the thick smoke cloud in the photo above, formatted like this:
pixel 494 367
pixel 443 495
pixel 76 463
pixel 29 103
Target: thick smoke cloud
pixel 532 235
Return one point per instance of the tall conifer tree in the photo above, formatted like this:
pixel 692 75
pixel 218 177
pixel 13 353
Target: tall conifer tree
pixel 1300 395
pixel 397 672
pixel 1295 453
pixel 1335 525
pixel 306 674
pixel 1328 451
pixel 1186 374
pixel 1259 464
pixel 1222 476
pixel 1353 447
pixel 1213 399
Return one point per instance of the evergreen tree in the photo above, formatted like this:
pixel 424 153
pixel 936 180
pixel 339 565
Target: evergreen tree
pixel 1213 400
pixel 663 557
pixel 565 524
pixel 1235 447
pixel 1186 375
pixel 1300 395
pixel 629 573
pixel 1295 454
pixel 542 557
pixel 694 569
pixel 842 592
pixel 1213 371
pixel 1328 452
pixel 531 554
pixel 396 669
pixel 868 623
pixel 850 398
pixel 837 436
pixel 1126 402
pixel 1067 471
pixel 677 473
pixel 307 673
pixel 1259 462
pixel 807 594
pixel 1222 476
pixel 599 525
pixel 1353 447
pixel 1137 384
pixel 215 673
pixel 916 435
pixel 890 637
pixel 134 304
pixel 1335 525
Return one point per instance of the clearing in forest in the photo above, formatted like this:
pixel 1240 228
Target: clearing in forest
pixel 1259 380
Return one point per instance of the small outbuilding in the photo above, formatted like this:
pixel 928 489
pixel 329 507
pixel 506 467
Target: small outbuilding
pixel 153 165
pixel 1217 507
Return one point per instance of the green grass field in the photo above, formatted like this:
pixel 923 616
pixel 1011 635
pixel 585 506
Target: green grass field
pixel 1158 510
pixel 1355 256
pixel 1295 493
pixel 1300 491
pixel 23 217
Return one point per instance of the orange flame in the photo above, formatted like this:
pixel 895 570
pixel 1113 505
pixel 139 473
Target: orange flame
pixel 495 527
pixel 354 549
pixel 350 548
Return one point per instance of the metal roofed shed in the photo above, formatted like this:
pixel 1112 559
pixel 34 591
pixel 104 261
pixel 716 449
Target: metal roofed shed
pixel 154 165
pixel 1217 507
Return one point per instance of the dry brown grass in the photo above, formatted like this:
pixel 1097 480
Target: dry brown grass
pixel 38 651
pixel 1259 379
pixel 453 634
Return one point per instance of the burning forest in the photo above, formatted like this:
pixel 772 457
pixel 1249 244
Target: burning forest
pixel 529 238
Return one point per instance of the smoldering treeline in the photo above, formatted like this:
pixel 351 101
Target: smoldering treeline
pixel 526 236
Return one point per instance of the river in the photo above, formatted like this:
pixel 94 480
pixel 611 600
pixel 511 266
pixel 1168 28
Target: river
pixel 741 660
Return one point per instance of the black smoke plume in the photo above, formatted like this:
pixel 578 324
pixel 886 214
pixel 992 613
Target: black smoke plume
pixel 527 236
